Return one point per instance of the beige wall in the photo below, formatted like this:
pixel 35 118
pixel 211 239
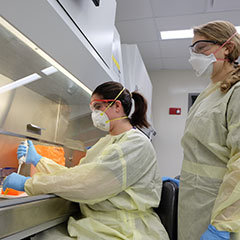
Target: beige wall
pixel 170 89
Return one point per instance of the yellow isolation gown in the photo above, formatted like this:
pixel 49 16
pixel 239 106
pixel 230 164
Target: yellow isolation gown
pixel 210 177
pixel 116 184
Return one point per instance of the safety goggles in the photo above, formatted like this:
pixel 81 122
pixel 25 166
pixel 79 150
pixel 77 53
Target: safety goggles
pixel 202 46
pixel 99 103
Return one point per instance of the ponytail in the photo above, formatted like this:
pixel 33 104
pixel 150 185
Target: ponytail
pixel 139 118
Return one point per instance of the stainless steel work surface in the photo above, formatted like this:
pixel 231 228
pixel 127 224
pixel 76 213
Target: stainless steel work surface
pixel 29 215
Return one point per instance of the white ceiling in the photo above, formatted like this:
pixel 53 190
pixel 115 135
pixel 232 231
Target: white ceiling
pixel 140 22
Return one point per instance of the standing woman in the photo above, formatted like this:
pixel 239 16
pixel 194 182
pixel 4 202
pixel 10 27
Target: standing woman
pixel 209 200
pixel 117 184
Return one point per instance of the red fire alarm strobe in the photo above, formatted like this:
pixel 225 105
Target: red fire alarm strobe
pixel 174 111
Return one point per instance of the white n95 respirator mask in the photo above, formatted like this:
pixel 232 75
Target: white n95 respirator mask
pixel 101 120
pixel 202 64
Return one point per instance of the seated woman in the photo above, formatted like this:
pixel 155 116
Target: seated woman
pixel 117 184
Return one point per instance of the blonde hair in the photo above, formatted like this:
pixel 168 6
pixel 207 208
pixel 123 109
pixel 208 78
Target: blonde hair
pixel 221 31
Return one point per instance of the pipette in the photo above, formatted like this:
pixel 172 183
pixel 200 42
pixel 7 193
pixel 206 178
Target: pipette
pixel 22 159
pixel 6 192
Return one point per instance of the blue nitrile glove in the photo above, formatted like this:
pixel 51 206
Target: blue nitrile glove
pixel 15 181
pixel 171 179
pixel 32 155
pixel 213 234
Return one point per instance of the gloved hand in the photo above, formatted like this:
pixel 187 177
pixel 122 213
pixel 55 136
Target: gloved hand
pixel 32 155
pixel 171 179
pixel 213 234
pixel 15 181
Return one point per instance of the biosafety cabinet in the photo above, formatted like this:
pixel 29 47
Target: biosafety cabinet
pixel 51 58
pixel 52 55
pixel 40 100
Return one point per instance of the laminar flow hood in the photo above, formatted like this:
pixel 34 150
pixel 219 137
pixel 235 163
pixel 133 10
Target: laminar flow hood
pixel 48 67
pixel 68 32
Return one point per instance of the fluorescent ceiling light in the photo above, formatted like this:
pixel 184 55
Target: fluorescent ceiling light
pixel 35 48
pixel 50 70
pixel 238 29
pixel 23 81
pixel 177 34
pixel 180 34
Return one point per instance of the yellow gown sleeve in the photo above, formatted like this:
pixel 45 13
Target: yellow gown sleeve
pixel 226 211
pixel 117 167
pixel 46 165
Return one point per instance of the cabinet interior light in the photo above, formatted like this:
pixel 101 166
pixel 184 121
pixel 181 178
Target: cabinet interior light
pixel 35 48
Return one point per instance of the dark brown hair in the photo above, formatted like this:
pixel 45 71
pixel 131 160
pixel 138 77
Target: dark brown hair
pixel 110 90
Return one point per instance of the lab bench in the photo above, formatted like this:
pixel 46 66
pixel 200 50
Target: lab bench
pixel 25 216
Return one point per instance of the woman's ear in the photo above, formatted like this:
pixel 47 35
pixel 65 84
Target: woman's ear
pixel 118 105
pixel 229 47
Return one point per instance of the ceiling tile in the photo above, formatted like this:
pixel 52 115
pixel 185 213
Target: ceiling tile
pixel 189 21
pixel 176 63
pixel 175 7
pixel 175 48
pixel 133 9
pixel 149 49
pixel 222 5
pixel 153 64
pixel 137 31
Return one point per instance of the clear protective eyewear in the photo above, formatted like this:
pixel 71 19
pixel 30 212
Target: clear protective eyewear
pixel 202 46
pixel 98 104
